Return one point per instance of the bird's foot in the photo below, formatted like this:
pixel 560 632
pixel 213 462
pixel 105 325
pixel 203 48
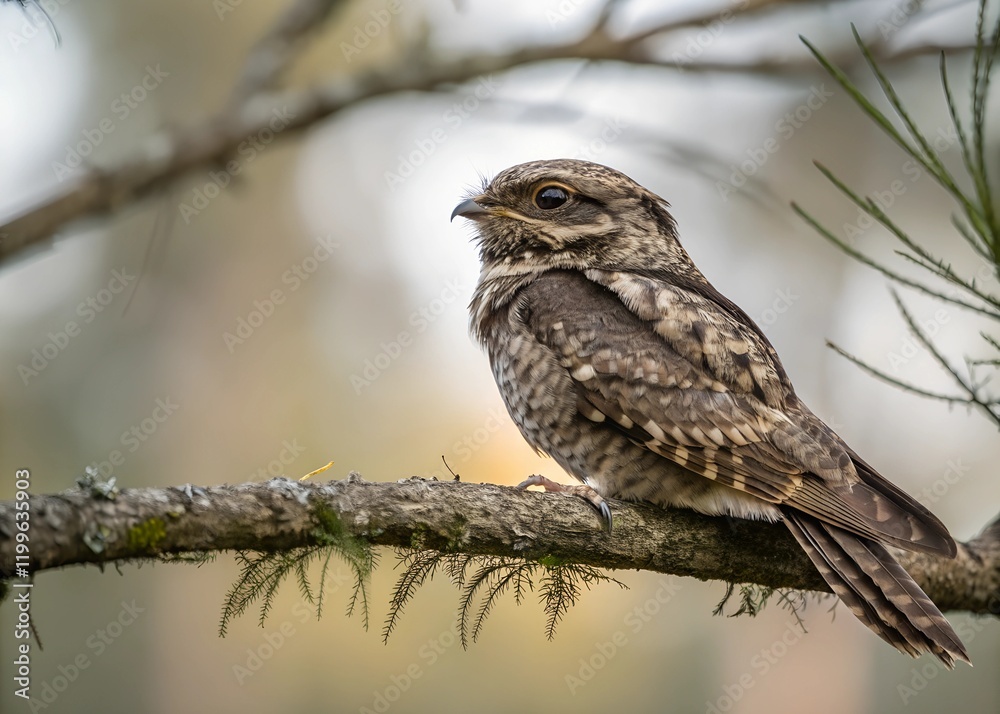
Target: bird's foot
pixel 580 491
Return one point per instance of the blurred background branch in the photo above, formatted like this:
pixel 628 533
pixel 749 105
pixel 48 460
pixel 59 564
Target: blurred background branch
pixel 257 103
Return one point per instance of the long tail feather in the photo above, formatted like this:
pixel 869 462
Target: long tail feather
pixel 877 589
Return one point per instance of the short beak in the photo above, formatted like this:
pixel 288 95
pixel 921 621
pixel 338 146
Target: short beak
pixel 469 209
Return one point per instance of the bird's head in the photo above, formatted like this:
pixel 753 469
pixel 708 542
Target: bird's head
pixel 574 214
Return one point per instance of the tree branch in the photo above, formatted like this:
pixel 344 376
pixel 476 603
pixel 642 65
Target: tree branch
pixel 480 519
pixel 279 47
pixel 252 111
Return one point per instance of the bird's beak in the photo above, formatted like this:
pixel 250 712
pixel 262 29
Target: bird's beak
pixel 471 210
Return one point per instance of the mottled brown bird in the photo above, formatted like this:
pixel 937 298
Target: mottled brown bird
pixel 617 357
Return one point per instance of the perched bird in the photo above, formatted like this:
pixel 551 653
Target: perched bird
pixel 615 356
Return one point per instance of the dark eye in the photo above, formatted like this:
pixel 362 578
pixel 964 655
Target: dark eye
pixel 551 197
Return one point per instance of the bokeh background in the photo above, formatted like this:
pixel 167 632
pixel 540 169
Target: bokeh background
pixel 375 186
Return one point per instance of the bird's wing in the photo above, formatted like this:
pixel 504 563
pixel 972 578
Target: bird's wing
pixel 680 376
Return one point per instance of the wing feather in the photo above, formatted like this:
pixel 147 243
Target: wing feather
pixel 683 390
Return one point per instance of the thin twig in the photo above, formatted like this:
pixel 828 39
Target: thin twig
pixel 889 379
pixel 891 274
pixel 967 386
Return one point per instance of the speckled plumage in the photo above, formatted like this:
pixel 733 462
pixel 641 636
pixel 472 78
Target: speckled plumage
pixel 617 357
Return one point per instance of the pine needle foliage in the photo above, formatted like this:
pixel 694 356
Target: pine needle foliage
pixel 976 219
pixel 482 581
pixel 261 574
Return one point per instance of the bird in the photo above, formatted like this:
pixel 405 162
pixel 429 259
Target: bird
pixel 615 356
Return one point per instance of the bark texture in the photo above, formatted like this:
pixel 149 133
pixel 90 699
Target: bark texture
pixel 77 526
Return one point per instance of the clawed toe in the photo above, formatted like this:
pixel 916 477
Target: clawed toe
pixel 548 484
pixel 581 491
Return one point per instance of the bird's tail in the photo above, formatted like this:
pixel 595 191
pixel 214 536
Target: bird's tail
pixel 877 589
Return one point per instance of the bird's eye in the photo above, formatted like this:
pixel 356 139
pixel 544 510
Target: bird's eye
pixel 549 197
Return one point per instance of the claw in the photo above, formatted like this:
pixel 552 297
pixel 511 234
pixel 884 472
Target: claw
pixel 605 510
pixel 581 491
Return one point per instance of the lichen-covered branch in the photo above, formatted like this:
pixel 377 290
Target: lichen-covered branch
pixel 479 519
